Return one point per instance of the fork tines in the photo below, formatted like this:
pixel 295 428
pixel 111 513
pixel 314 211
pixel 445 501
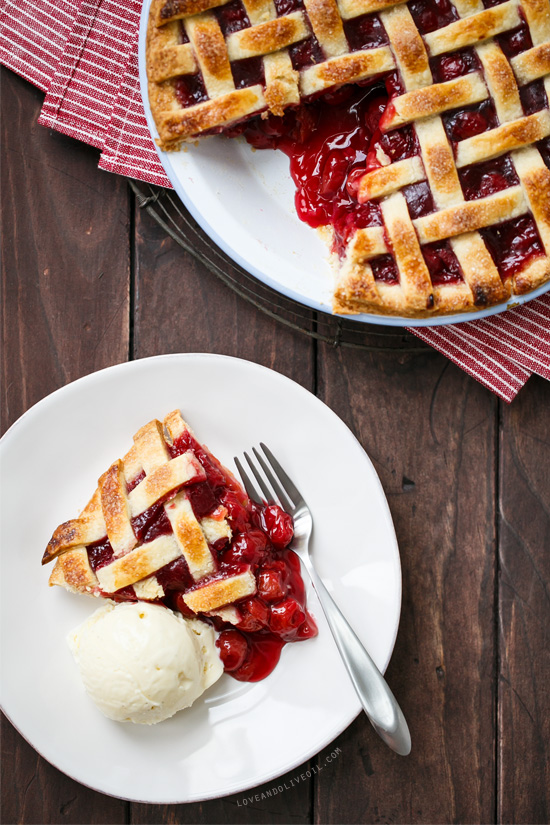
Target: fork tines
pixel 274 484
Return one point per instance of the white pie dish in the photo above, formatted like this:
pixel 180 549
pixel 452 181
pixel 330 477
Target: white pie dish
pixel 65 442
pixel 244 200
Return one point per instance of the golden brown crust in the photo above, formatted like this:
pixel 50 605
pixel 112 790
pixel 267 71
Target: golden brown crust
pixel 532 64
pixel 221 592
pixel 73 572
pixel 474 29
pixel 165 11
pixel 387 179
pixel 138 564
pixel 349 68
pixel 88 528
pixel 173 127
pixel 414 278
pixel 500 80
pixel 505 138
pixel 536 273
pixel 326 22
pixel 190 536
pixel 471 215
pixel 434 100
pixel 408 47
pixel 109 513
pixel 267 37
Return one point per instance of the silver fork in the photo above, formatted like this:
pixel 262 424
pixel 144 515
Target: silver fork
pixel 374 694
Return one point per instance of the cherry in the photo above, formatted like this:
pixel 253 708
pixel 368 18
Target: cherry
pixel 202 498
pixel 237 514
pixel 284 7
pixel 271 586
pixel 456 64
pixel 190 89
pixel 232 17
pixel 175 575
pixel 278 525
pixel 333 174
pixel 307 630
pixel 419 199
pixel 100 554
pixel 462 125
pixel 234 649
pixel 429 15
pixel 255 615
pixel 533 97
pixel 442 263
pixel 394 84
pixel 305 53
pixel 265 650
pixel 483 179
pixel 286 617
pixel 354 180
pixel 365 32
pixel 385 270
pixel 516 41
pixel 247 548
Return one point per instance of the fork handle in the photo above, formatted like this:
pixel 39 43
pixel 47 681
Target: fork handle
pixel 372 689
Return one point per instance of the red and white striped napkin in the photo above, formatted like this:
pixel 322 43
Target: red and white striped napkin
pixel 83 54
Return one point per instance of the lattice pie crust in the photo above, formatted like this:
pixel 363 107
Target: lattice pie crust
pixel 456 221
pixel 112 513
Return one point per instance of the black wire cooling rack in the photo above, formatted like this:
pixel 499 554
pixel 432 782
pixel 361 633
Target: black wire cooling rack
pixel 167 210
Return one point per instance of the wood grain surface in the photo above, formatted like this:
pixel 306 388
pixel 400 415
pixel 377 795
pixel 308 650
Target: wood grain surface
pixel 90 280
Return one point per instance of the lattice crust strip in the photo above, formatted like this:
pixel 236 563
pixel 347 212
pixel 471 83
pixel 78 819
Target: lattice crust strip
pixel 147 476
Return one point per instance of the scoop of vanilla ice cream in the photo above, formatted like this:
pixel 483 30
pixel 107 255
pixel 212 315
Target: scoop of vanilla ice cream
pixel 142 663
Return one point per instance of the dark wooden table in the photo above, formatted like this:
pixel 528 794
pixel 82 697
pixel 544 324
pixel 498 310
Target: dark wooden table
pixel 89 281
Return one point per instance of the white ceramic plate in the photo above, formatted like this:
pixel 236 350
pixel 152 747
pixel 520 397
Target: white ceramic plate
pixel 244 201
pixel 238 735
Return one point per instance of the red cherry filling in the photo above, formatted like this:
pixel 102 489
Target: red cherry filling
pixel 100 554
pixel 306 53
pixel 248 72
pixel 232 17
pixel 271 586
pixel 190 90
pixel 456 64
pixel 533 97
pixel 419 199
pixel 261 534
pixel 325 146
pixel 429 16
pixel 396 145
pixel 513 244
pixel 365 32
pixel 471 121
pixel 234 649
pixel 516 41
pixel 278 525
pixel 251 547
pixel 384 269
pixel 263 653
pixel 485 179
pixel 442 263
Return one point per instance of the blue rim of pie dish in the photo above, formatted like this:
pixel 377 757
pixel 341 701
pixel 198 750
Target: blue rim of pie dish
pixel 202 220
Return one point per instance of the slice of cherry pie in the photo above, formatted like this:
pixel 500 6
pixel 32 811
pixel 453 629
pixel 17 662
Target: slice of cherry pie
pixel 169 524
pixel 445 207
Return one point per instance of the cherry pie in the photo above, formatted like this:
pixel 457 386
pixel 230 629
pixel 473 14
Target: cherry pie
pixel 169 524
pixel 445 206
